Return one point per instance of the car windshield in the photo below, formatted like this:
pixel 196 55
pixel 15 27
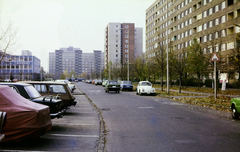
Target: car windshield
pixel 33 93
pixel 126 82
pixel 146 84
pixel 113 82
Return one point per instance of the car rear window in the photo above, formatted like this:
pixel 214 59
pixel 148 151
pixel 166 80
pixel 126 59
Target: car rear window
pixel 56 89
pixel 146 84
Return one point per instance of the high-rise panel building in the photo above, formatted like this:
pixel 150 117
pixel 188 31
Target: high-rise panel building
pixel 73 59
pixel 176 22
pixel 123 42
pixel 65 59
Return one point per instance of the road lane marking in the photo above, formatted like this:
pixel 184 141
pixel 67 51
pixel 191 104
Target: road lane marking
pixel 65 135
pixel 145 107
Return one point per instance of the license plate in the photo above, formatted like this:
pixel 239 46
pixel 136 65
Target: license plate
pixel 114 86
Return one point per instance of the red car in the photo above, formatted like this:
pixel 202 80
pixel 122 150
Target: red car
pixel 25 119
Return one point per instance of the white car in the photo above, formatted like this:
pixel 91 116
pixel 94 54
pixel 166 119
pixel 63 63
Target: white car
pixel 145 87
pixel 71 85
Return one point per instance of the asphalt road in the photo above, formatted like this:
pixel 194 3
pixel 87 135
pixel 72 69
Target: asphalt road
pixel 134 123
pixel 149 123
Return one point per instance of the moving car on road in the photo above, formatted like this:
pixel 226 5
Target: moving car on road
pixel 25 119
pixel 30 93
pixel 112 86
pixel 145 87
pixel 126 85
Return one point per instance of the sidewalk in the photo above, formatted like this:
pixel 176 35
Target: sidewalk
pixel 200 93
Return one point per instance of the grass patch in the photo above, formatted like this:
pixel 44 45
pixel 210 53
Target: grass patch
pixel 175 93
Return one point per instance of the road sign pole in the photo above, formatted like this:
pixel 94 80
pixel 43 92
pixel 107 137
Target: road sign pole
pixel 215 81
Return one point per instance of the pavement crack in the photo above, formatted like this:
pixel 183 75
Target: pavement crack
pixel 102 141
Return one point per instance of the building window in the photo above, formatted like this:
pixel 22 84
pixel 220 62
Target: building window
pixel 210 23
pixel 204 14
pixel 204 26
pixel 126 26
pixel 126 51
pixel 210 11
pixel 126 46
pixel 126 36
pixel 223 19
pixel 216 8
pixel 216 21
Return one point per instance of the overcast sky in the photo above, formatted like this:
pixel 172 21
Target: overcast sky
pixel 46 25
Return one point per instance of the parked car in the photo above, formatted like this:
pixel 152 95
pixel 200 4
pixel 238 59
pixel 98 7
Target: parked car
pixel 54 88
pixel 235 107
pixel 126 85
pixel 71 85
pixel 145 87
pixel 104 83
pixel 3 118
pixel 98 82
pixel 25 119
pixel 112 86
pixel 29 92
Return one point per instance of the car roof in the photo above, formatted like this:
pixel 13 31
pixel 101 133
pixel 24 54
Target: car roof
pixel 16 84
pixel 43 82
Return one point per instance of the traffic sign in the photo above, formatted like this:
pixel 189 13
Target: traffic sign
pixel 215 57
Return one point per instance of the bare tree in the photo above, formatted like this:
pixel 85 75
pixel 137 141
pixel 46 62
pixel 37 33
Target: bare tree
pixel 140 68
pixel 7 40
pixel 196 62
pixel 178 62
pixel 160 59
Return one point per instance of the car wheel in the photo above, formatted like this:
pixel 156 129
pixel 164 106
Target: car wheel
pixel 105 91
pixel 234 112
pixel 139 92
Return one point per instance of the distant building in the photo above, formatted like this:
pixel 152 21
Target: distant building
pixel 73 59
pixel 20 67
pixel 93 63
pixel 123 42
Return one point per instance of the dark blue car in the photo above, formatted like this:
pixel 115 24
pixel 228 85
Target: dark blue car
pixel 126 85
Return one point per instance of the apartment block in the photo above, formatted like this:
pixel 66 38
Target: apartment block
pixel 73 59
pixel 123 42
pixel 176 22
